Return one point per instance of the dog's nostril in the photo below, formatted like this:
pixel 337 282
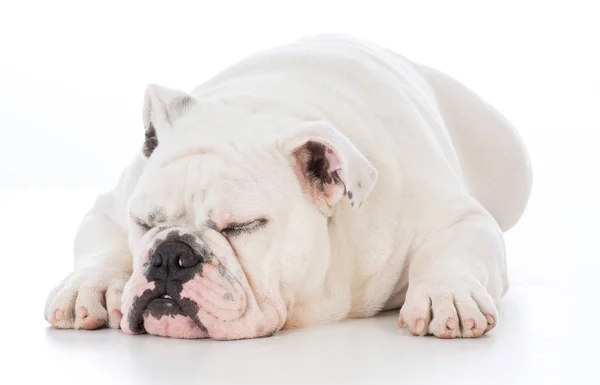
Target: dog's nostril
pixel 187 260
pixel 174 254
pixel 156 260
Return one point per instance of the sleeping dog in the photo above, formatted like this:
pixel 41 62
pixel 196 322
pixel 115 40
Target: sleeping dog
pixel 320 180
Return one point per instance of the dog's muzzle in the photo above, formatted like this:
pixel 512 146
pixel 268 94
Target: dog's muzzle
pixel 172 264
pixel 159 306
pixel 191 285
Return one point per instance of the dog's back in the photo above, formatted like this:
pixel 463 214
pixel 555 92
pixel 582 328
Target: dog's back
pixel 475 137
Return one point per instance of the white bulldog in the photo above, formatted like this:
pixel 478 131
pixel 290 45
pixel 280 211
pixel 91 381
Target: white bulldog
pixel 325 179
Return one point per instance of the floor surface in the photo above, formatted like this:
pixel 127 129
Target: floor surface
pixel 547 331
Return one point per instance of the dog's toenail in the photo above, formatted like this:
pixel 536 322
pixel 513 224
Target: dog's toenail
pixel 451 323
pixel 82 312
pixel 469 324
pixel 117 315
pixel 420 327
pixel 400 321
pixel 58 314
pixel 491 322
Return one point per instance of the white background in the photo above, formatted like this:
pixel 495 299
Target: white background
pixel 72 77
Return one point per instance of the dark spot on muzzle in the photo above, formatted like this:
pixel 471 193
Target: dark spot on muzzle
pixel 154 303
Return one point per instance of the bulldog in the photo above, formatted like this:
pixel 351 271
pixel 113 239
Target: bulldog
pixel 324 179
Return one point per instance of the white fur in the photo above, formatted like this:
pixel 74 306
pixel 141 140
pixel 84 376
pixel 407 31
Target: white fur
pixel 442 173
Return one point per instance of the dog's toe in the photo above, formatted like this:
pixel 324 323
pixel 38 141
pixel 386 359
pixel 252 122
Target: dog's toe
pixel 87 299
pixel 60 309
pixel 113 302
pixel 90 308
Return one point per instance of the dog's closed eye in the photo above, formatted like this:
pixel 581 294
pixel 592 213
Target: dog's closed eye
pixel 235 228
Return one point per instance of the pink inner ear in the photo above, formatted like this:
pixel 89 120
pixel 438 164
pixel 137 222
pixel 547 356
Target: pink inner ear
pixel 334 162
pixel 335 167
pixel 320 172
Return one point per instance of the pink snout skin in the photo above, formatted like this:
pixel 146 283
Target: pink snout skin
pixel 178 326
pixel 215 295
pixel 229 312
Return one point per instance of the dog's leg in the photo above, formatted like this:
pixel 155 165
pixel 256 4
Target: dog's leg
pixel 90 297
pixel 455 275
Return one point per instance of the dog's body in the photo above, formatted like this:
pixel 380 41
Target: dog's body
pixel 364 181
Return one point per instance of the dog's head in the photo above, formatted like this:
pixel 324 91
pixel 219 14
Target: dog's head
pixel 229 221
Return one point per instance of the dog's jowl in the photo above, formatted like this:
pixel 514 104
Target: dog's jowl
pixel 326 179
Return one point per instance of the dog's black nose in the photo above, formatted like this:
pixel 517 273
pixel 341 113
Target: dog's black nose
pixel 173 256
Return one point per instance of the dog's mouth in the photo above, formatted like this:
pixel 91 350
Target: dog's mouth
pixel 163 306
pixel 161 314
pixel 164 316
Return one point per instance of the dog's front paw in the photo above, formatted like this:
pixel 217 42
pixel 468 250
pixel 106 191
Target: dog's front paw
pixel 87 299
pixel 448 307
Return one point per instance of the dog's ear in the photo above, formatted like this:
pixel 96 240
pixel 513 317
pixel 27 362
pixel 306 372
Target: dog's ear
pixel 329 167
pixel 162 106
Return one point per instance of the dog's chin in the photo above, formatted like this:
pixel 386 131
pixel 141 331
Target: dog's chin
pixel 165 317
